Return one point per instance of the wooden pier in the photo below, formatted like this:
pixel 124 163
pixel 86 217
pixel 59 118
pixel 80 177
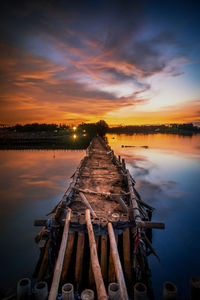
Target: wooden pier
pixel 98 234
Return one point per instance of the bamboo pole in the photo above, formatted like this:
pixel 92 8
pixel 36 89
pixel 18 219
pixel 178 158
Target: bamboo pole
pixel 147 224
pixel 133 201
pixel 79 258
pixel 67 258
pixel 44 263
pixel 101 291
pixel 111 270
pixel 127 254
pixel 104 257
pixel 87 204
pixel 68 291
pixel 60 259
pixel 122 203
pixel 117 263
pixel 150 245
pixel 91 275
pixel 113 291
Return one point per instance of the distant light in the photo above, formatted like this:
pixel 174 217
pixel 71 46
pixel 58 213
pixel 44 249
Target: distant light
pixel 74 136
pixel 84 134
pixel 74 128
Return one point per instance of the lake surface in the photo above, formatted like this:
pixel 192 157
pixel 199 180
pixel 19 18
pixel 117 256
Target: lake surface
pixel 167 176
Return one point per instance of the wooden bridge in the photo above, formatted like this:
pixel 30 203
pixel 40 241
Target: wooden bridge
pixel 96 242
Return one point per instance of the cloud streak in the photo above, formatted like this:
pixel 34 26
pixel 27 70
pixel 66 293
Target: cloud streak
pixel 81 59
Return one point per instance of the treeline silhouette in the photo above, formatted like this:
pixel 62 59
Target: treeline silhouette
pixel 188 128
pixel 50 136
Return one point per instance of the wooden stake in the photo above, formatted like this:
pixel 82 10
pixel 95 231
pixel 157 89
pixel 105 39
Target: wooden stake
pixel 79 258
pixel 67 258
pixel 127 255
pixel 117 263
pixel 104 257
pixel 123 164
pixel 101 291
pixel 87 204
pixel 60 259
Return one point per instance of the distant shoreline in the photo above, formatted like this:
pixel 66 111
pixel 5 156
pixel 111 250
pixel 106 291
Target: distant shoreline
pixel 24 141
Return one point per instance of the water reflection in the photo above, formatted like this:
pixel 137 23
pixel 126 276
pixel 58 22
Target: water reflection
pixel 31 183
pixel 167 176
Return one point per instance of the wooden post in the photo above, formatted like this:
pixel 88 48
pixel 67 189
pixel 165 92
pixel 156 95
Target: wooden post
pixel 117 263
pixel 87 204
pixel 60 259
pixel 104 257
pixel 79 258
pixel 101 291
pixel 194 288
pixel 169 291
pixel 67 258
pixel 127 255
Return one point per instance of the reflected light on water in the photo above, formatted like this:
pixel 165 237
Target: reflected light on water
pixel 167 176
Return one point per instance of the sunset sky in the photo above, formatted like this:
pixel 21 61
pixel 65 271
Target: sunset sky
pixel 127 62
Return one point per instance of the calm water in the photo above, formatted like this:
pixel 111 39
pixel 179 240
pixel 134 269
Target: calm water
pixel 167 175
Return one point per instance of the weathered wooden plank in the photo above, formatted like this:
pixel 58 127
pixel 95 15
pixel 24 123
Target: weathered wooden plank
pixel 60 259
pixel 117 263
pixel 101 291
